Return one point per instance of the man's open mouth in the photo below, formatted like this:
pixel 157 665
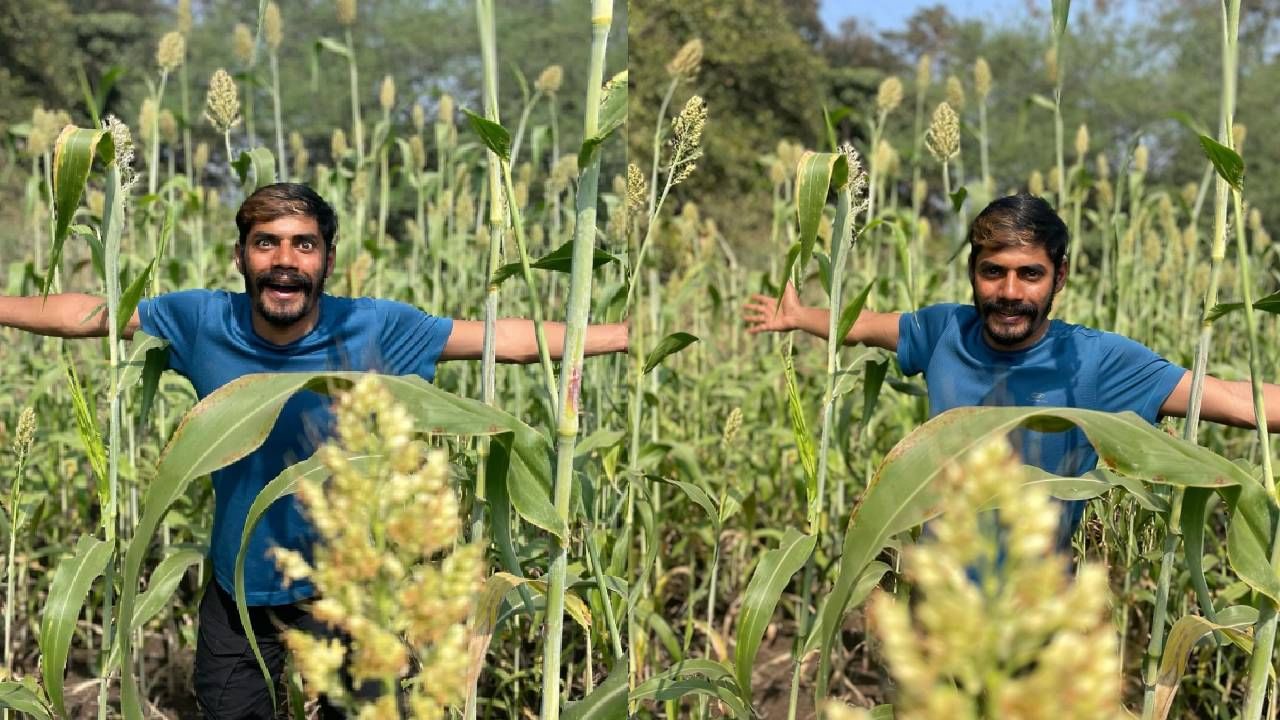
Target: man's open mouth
pixel 284 291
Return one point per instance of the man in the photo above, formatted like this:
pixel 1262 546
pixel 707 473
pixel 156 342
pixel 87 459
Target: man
pixel 1004 350
pixel 282 322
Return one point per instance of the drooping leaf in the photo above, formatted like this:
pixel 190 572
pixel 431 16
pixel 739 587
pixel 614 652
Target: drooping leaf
pixel 1195 503
pixel 261 162
pixel 957 199
pixel 1183 636
pixel 334 46
pixel 484 615
pixel 816 174
pixel 673 343
pixel 1227 162
pixel 73 154
pixel 494 136
pixel 694 677
pixel 1249 538
pixel 770 578
pixel 71 583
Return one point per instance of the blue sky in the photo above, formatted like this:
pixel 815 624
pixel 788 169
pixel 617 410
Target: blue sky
pixel 892 14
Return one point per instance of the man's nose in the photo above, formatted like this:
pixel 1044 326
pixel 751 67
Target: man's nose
pixel 1009 288
pixel 285 256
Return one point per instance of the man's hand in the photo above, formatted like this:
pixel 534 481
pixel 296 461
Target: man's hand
pixel 515 342
pixel 764 313
pixel 67 315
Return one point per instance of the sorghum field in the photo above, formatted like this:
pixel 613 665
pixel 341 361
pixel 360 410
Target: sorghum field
pixel 475 546
pixel 714 524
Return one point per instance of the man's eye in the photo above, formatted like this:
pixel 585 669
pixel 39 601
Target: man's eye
pixel 307 245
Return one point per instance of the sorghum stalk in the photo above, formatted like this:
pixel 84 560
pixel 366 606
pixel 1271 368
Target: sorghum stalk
pixel 497 230
pixel 571 363
pixel 112 228
pixel 1218 253
pixel 26 433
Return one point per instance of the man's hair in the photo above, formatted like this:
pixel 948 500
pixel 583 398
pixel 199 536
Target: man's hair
pixel 271 202
pixel 1015 220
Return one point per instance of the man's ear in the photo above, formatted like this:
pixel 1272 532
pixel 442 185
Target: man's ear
pixel 1061 280
pixel 330 257
pixel 239 257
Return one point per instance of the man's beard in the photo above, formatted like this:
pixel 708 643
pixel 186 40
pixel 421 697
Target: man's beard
pixel 304 286
pixel 1008 337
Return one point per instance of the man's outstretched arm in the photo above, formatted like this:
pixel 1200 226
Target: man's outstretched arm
pixel 67 315
pixel 1229 402
pixel 764 313
pixel 515 341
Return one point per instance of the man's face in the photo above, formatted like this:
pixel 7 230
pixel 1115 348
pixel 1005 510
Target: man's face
pixel 1013 290
pixel 284 265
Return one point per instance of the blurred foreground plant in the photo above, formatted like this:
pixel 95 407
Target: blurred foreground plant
pixel 999 629
pixel 386 568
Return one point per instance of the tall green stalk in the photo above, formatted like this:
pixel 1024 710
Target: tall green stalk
pixel 1217 255
pixel 497 229
pixel 571 362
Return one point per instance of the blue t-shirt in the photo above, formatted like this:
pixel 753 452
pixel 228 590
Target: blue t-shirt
pixel 1071 366
pixel 212 342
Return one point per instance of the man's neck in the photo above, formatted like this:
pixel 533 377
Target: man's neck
pixel 277 335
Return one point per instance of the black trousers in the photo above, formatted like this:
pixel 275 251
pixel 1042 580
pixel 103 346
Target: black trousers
pixel 229 684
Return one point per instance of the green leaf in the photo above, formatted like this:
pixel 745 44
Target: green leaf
pixel 608 701
pixel 673 343
pixel 694 677
pixel 702 499
pixel 1249 538
pixel 804 440
pixel 1061 8
pixel 900 494
pixel 957 199
pixel 73 154
pixel 871 385
pixel 235 419
pixel 16 696
pixel 558 260
pixel 613 112
pixel 867 582
pixel 129 299
pixel 761 598
pixel 334 46
pixel 849 317
pixel 494 136
pixel 1227 162
pixel 67 592
pixel 1270 303
pixel 87 430
pixel 160 590
pixel 1042 101
pixel 261 162
pixel 816 174
pixel 1195 503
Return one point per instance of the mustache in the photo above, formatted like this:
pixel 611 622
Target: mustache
pixel 284 277
pixel 1010 308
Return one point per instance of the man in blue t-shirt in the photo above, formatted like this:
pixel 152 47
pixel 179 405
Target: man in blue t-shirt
pixel 283 322
pixel 1004 350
